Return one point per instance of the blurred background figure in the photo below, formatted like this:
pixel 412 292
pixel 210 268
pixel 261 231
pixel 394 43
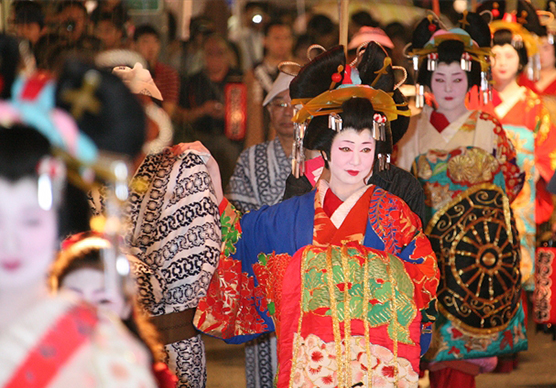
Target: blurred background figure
pixel 251 39
pixel 260 179
pixel 79 269
pixel 323 31
pixel 146 41
pixel 109 30
pixel 203 106
pixel 278 47
pixel 73 25
pixel 29 21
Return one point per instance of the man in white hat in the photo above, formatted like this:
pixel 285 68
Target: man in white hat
pixel 259 179
pixel 261 171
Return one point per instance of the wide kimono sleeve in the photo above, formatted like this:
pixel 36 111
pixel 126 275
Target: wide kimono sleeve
pixel 545 164
pixel 402 234
pixel 504 152
pixel 235 308
pixel 240 188
pixel 545 145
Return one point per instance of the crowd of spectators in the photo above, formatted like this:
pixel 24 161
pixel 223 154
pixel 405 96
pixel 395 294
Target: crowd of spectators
pixel 192 75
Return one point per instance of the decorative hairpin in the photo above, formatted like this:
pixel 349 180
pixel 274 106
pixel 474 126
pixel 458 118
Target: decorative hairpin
pixel 52 173
pixel 379 127
pixel 517 41
pixel 419 95
pixel 337 77
pixel 432 61
pixel 466 61
pixel 486 85
pixel 83 99
pixel 495 12
pixel 335 122
pixel 298 154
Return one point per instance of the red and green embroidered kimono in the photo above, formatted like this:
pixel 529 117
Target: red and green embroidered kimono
pixel 347 293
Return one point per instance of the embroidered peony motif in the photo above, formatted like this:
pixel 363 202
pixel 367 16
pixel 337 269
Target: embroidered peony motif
pixel 472 166
pixel 316 365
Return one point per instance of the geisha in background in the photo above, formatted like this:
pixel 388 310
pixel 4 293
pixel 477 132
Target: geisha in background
pixel 49 341
pixel 525 119
pixel 545 85
pixel 468 170
pixel 343 273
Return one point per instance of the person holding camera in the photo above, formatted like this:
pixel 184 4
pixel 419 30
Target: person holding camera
pixel 74 24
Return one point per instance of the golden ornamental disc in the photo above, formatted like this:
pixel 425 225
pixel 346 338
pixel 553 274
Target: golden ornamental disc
pixel 477 246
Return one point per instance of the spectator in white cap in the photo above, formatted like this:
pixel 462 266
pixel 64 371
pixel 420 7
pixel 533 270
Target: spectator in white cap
pixel 249 187
pixel 259 179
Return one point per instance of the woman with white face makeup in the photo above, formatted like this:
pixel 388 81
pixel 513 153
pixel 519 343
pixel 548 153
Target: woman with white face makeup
pixel 528 126
pixel 461 157
pixel 331 269
pixel 46 340
pixel 79 269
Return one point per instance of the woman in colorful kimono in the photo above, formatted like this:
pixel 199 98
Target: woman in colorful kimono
pixel 526 121
pixel 49 341
pixel 468 169
pixel 545 85
pixel 344 273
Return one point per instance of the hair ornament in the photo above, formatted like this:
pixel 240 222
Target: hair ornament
pixel 379 127
pixel 466 61
pixel 486 86
pixel 83 99
pixel 313 47
pixel 287 68
pixel 298 153
pixel 335 122
pixel 495 12
pixel 463 21
pixel 33 104
pixel 546 19
pixel 331 102
pixel 419 95
pixel 52 174
pixel 383 70
pixel 337 77
pixel 404 78
pixel 432 61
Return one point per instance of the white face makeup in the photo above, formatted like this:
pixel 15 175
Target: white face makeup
pixel 351 160
pixel 449 86
pixel 505 64
pixel 88 284
pixel 28 235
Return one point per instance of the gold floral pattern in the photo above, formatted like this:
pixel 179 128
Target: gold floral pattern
pixel 473 166
pixel 437 195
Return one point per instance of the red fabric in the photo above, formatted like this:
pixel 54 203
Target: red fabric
pixel 448 377
pixel 532 114
pixel 164 376
pixel 34 85
pixel 439 121
pixel 51 353
pixel 331 203
pixel 167 81
pixel 550 90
